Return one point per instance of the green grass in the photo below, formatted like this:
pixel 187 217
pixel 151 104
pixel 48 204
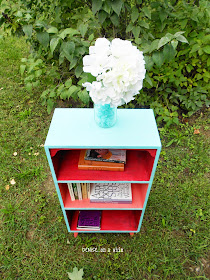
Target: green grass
pixel 35 244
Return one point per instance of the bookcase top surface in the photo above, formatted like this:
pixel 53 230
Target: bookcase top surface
pixel 76 128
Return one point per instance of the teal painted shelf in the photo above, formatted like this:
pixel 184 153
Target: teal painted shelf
pixel 72 130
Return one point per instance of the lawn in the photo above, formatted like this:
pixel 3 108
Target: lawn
pixel 35 244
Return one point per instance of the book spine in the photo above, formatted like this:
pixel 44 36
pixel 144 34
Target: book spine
pixel 84 190
pixel 104 168
pixel 71 192
pixel 74 186
pixel 88 190
pixel 79 191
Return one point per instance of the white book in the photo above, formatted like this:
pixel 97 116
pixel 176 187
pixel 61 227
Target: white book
pixel 71 192
pixel 79 190
pixel 111 192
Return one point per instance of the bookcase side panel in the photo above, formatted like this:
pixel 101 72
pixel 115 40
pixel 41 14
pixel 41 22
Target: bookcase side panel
pixel 141 219
pixel 55 158
pixel 149 187
pixel 152 175
pixel 56 185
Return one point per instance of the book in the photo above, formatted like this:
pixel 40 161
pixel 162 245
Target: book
pixel 84 164
pixel 74 186
pixel 84 190
pixel 111 192
pixel 89 219
pixel 71 192
pixel 107 155
pixel 79 191
pixel 88 190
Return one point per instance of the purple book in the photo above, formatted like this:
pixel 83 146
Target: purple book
pixel 89 219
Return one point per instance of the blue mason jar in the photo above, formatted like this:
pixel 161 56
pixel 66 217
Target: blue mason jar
pixel 105 115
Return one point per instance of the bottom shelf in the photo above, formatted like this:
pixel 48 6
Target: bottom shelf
pixel 111 220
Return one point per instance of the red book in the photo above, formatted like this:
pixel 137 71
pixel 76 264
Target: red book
pixel 98 165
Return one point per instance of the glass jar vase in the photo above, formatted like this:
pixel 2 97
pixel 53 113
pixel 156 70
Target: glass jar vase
pixel 105 115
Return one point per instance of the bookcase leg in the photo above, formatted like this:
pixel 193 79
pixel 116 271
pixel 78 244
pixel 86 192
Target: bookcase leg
pixel 131 233
pixel 75 234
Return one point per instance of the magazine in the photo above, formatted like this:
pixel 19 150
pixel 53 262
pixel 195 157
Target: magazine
pixel 112 155
pixel 98 165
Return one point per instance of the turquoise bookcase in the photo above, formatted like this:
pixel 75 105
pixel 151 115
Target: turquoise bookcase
pixel 74 129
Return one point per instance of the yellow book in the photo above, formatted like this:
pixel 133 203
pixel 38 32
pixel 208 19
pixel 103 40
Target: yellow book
pixel 84 190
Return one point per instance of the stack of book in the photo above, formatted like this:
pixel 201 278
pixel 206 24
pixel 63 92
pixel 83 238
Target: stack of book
pixel 111 192
pixel 89 219
pixel 79 190
pixel 102 159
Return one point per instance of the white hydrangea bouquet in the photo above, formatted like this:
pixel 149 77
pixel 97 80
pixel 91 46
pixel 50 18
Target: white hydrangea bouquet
pixel 119 68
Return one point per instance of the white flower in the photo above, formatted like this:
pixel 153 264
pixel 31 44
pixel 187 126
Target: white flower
pixel 12 182
pixel 98 61
pixel 119 68
pixel 102 45
pixel 121 48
